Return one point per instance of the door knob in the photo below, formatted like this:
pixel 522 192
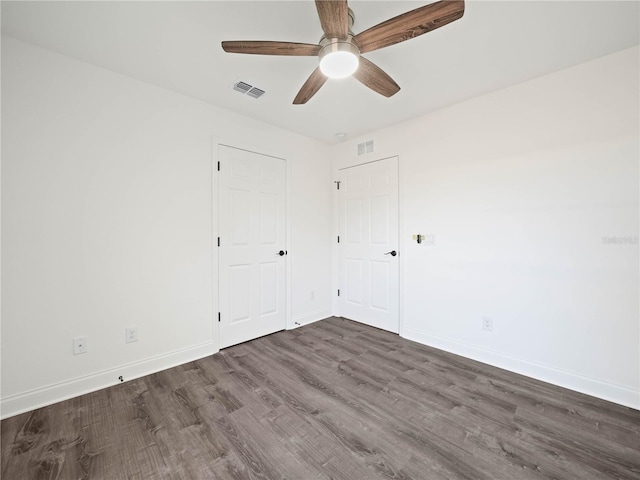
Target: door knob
pixel 282 253
pixel 393 253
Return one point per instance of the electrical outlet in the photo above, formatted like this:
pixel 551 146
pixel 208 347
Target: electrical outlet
pixel 79 345
pixel 312 295
pixel 131 334
pixel 487 324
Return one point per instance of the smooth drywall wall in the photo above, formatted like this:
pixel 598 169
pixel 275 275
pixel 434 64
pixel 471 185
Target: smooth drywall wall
pixel 531 196
pixel 107 222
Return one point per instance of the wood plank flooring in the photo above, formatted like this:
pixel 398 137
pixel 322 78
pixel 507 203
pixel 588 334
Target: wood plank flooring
pixel 331 400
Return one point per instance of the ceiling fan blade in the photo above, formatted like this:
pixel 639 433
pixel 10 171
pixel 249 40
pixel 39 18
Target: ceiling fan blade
pixel 310 87
pixel 372 76
pixel 334 17
pixel 272 48
pixel 410 25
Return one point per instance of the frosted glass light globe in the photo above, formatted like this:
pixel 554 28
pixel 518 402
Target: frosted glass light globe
pixel 339 64
pixel 338 58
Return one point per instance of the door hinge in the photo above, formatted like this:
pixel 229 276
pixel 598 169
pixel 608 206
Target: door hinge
pixel 338 238
pixel 218 166
pixel 218 316
pixel 337 182
pixel 338 292
pixel 218 241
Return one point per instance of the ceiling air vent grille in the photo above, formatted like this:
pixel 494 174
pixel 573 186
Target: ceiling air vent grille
pixel 365 147
pixel 255 92
pixel 242 87
pixel 250 90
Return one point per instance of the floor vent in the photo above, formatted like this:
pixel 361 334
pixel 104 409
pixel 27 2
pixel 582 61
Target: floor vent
pixel 365 147
pixel 250 90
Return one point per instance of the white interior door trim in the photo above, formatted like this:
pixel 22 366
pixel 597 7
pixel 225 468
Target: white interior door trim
pixel 402 246
pixel 371 314
pixel 354 160
pixel 215 232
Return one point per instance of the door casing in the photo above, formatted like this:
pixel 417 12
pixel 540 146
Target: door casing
pixel 394 244
pixel 215 230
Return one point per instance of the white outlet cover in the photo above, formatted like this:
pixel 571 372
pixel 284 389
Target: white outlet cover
pixel 487 324
pixel 131 334
pixel 79 345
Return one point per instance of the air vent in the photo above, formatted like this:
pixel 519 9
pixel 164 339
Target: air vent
pixel 242 87
pixel 365 147
pixel 250 90
pixel 255 92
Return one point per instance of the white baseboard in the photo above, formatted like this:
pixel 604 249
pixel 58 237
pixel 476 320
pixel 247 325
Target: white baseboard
pixel 308 318
pixel 579 383
pixel 41 397
pixel 26 401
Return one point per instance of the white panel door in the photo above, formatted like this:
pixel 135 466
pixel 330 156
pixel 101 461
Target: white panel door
pixel 252 250
pixel 368 208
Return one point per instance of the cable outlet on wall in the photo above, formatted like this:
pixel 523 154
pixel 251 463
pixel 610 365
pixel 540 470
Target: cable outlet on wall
pixel 79 345
pixel 131 334
pixel 487 324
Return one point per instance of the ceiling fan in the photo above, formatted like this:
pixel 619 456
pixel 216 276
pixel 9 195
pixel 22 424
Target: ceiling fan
pixel 339 50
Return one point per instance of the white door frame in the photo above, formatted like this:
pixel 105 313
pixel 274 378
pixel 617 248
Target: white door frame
pixel 401 228
pixel 215 232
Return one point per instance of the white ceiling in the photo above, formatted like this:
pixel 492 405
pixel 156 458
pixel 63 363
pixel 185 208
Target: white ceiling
pixel 176 45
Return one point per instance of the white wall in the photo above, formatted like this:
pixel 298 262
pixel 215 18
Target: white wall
pixel 107 222
pixel 519 188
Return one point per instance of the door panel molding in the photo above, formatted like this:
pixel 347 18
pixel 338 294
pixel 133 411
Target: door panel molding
pixel 243 174
pixel 369 222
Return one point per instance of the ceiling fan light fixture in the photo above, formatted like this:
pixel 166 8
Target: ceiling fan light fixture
pixel 339 59
pixel 338 50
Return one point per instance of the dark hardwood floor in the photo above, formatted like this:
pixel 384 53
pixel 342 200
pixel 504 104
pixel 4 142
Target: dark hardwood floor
pixel 336 400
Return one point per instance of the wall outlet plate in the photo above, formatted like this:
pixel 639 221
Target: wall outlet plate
pixel 131 334
pixel 487 324
pixel 79 345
